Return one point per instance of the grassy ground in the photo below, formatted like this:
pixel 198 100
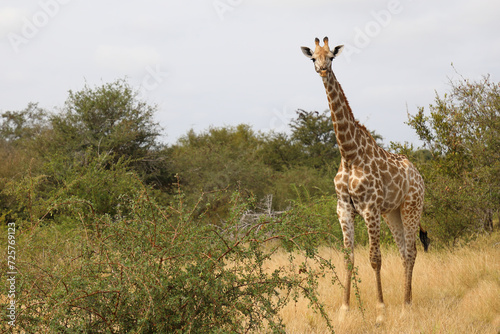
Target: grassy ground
pixel 453 292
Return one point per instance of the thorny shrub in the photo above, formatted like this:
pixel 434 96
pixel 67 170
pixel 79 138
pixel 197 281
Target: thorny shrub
pixel 162 269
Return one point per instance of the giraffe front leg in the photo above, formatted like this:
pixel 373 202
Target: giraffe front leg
pixel 345 214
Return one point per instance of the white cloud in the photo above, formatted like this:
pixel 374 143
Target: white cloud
pixel 126 59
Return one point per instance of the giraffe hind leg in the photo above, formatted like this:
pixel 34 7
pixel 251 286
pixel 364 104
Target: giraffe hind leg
pixel 403 238
pixel 372 220
pixel 395 223
pixel 411 223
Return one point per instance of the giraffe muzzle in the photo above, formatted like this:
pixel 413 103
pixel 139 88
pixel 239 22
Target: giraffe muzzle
pixel 323 73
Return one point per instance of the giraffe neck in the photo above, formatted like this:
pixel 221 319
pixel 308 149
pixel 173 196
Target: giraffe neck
pixel 350 136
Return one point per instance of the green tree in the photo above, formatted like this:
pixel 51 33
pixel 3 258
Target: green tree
pixel 91 151
pixel 279 152
pixel 311 144
pixel 220 158
pixel 462 133
pixel 20 148
pixel 23 125
pixel 21 138
pixel 110 119
pixel 313 132
pixel 295 166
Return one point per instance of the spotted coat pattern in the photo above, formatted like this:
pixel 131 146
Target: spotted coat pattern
pixel 370 182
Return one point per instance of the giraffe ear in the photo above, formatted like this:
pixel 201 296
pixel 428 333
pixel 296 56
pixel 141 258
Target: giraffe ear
pixel 306 51
pixel 337 50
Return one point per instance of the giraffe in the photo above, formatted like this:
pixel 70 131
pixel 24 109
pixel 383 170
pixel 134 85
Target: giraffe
pixel 370 182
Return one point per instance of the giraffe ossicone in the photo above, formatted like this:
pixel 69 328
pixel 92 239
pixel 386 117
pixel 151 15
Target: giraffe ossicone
pixel 370 182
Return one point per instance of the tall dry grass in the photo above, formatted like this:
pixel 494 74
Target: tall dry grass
pixel 455 291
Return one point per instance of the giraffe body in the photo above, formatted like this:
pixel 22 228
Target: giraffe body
pixel 370 182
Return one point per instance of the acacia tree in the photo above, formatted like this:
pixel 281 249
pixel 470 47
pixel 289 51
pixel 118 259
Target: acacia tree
pixel 84 153
pixel 110 119
pixel 23 125
pixel 313 132
pixel 462 132
pixel 311 144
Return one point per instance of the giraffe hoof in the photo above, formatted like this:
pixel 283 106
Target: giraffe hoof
pixel 380 320
pixel 380 315
pixel 405 310
pixel 344 310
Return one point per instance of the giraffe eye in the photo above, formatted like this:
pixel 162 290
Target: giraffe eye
pixel 331 58
pixel 313 59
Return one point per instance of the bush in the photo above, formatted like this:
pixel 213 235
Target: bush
pixel 462 135
pixel 163 270
pixel 86 151
pixel 87 180
pixel 318 216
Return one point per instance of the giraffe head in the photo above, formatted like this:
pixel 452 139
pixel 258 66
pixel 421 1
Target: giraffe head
pixel 322 56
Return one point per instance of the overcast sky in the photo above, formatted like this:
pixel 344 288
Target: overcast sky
pixel 225 62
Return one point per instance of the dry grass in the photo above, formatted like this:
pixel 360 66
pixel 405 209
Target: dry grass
pixel 453 292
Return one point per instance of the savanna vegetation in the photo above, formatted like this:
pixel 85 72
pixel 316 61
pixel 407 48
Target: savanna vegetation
pixel 226 230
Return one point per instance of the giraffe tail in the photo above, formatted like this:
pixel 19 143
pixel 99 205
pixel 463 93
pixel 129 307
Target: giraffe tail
pixel 424 239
